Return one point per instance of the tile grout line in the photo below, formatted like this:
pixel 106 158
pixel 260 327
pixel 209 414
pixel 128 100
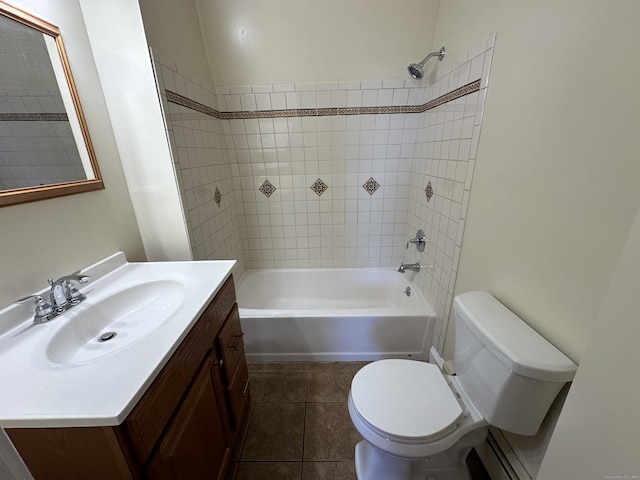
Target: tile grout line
pixel 304 421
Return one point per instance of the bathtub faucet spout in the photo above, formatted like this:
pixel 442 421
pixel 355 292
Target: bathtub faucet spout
pixel 409 266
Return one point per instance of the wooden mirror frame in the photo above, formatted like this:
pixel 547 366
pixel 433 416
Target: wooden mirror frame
pixel 30 194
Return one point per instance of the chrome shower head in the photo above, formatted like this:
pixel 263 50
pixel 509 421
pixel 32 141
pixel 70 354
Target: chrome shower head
pixel 415 69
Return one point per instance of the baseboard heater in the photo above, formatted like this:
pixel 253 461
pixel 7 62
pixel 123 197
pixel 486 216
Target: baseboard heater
pixel 496 454
pixel 499 459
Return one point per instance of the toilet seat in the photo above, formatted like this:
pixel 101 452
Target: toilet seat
pixel 405 400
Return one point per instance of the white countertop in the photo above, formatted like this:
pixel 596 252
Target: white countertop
pixel 38 392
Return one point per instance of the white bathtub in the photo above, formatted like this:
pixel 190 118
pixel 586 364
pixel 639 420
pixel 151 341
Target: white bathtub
pixel 333 315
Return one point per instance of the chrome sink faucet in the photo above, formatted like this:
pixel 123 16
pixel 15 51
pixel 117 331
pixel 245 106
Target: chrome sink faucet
pixel 409 266
pixel 64 294
pixel 64 290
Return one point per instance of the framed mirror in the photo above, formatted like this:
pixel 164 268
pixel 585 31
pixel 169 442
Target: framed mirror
pixel 45 147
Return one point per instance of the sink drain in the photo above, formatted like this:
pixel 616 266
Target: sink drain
pixel 105 337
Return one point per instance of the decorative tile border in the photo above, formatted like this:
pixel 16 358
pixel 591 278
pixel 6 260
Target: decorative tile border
pixel 33 117
pixel 452 95
pixel 186 102
pixel 322 112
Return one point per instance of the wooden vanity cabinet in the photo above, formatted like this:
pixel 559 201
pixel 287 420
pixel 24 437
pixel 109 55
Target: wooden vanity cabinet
pixel 235 376
pixel 182 453
pixel 185 425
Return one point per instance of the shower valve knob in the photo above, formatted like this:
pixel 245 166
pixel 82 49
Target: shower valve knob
pixel 419 241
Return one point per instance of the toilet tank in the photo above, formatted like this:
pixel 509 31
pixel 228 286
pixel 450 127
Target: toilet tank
pixel 508 370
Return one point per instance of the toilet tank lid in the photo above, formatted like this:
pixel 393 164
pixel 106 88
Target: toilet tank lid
pixel 518 346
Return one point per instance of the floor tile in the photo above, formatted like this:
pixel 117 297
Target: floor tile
pixel 329 470
pixel 329 387
pixel 282 429
pixel 275 432
pixel 280 387
pixel 280 367
pixel 332 367
pixel 329 434
pixel 268 471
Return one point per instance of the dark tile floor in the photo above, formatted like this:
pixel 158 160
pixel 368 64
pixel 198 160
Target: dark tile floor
pixel 299 426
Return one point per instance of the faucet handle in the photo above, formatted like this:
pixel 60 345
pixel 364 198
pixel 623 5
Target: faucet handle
pixel 43 308
pixel 419 241
pixel 38 299
pixel 72 292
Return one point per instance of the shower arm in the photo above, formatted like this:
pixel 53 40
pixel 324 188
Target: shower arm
pixel 439 54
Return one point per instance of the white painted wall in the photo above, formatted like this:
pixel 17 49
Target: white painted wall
pixel 597 433
pixel 555 186
pixel 282 41
pixel 172 27
pixel 54 237
pixel 555 183
pixel 122 57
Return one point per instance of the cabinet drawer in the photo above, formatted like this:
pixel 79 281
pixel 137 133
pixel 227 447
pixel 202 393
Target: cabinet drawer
pixel 224 302
pixel 239 395
pixel 231 345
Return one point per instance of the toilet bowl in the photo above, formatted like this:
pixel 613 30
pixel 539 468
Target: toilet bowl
pixel 408 413
pixel 418 424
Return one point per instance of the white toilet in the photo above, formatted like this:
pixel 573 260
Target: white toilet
pixel 420 424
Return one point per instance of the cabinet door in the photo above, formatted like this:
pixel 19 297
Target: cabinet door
pixel 194 446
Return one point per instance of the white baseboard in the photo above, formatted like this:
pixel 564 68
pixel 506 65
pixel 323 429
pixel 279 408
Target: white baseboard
pixel 499 459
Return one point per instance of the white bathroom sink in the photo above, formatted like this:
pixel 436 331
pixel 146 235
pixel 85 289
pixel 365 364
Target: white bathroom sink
pixel 115 322
pixel 59 373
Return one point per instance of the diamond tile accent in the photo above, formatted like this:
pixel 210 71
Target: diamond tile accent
pixel 319 187
pixel 428 191
pixel 267 188
pixel 217 197
pixel 371 186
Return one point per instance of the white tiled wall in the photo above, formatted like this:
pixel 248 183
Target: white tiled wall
pixel 345 226
pixel 202 165
pixel 372 93
pixel 445 155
